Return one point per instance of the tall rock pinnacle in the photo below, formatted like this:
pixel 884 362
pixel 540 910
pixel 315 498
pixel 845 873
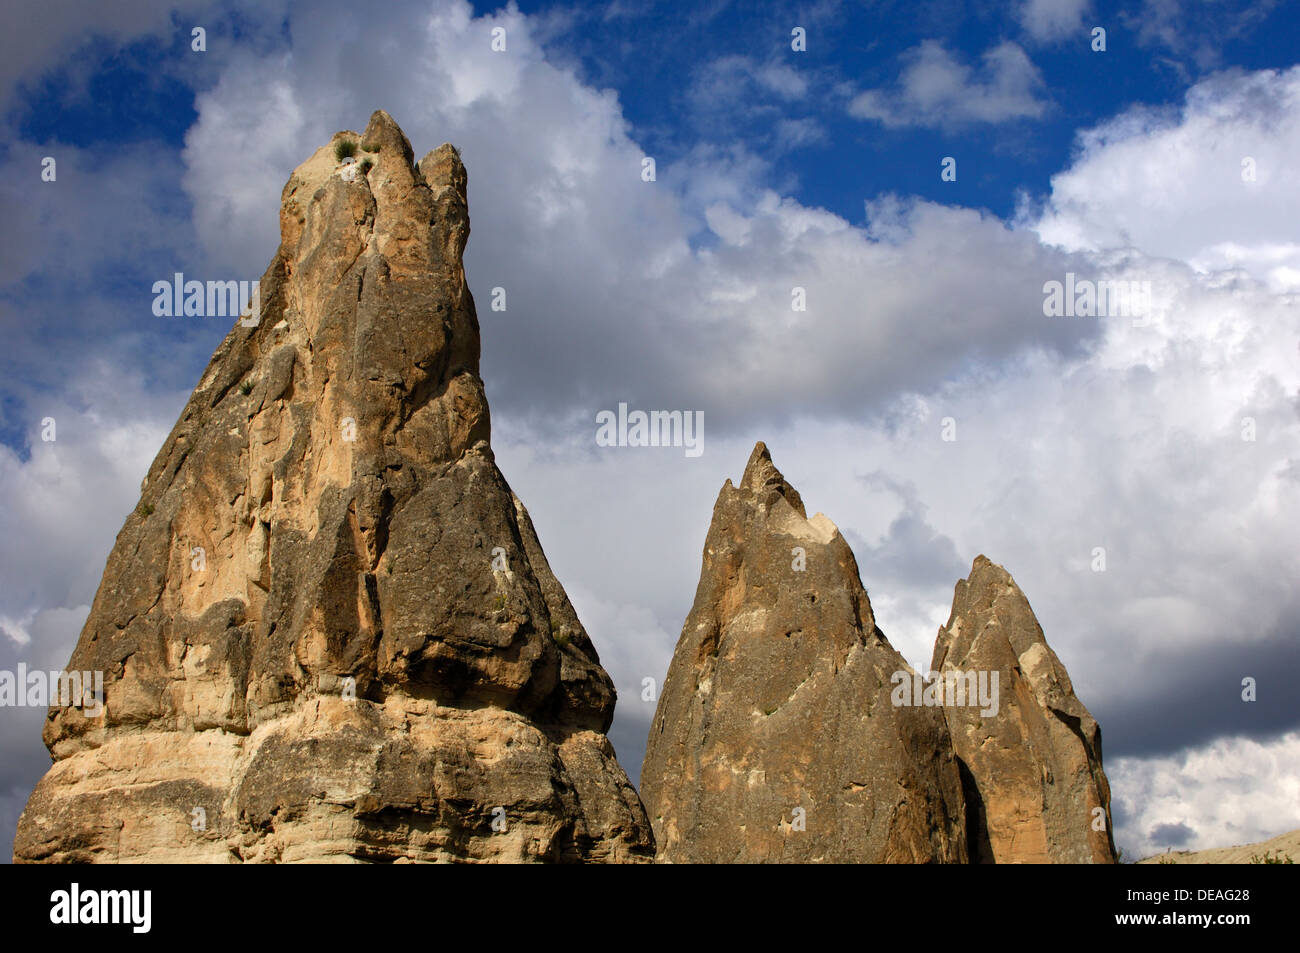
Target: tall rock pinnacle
pixel 1035 789
pixel 328 631
pixel 775 738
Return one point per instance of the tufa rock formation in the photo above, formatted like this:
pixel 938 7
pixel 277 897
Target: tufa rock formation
pixel 783 694
pixel 778 698
pixel 328 631
pixel 1035 789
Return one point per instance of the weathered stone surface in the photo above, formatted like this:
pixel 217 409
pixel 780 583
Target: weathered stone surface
pixel 327 513
pixel 778 697
pixel 1032 773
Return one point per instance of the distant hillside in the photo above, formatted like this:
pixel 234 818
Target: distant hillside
pixel 1280 847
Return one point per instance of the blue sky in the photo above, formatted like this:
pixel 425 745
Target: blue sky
pixel 818 169
pixel 656 55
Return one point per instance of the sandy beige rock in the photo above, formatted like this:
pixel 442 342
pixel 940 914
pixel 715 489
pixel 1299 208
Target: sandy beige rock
pixel 778 698
pixel 329 624
pixel 1032 772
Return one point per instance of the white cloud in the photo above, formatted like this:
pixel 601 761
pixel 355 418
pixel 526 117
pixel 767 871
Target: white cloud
pixel 782 80
pixel 937 89
pixel 66 503
pixel 564 222
pixel 794 133
pixel 731 82
pixel 1234 791
pixel 1051 20
pixel 1176 183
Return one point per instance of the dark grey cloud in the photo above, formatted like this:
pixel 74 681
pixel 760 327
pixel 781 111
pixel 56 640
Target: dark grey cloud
pixel 913 555
pixel 1172 835
pixel 1194 697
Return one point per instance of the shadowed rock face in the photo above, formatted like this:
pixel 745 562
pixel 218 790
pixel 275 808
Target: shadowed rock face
pixel 778 697
pixel 328 630
pixel 1032 772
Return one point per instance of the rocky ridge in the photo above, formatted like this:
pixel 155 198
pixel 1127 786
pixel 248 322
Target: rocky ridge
pixel 789 729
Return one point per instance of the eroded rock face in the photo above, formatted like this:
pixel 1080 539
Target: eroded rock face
pixel 778 698
pixel 1032 772
pixel 328 630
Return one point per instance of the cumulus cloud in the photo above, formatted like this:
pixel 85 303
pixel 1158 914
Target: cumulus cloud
pixel 675 293
pixel 1136 449
pixel 1210 183
pixel 937 89
pixel 66 502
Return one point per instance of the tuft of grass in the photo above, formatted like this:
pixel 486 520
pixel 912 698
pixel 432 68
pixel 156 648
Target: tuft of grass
pixel 146 509
pixel 1281 858
pixel 370 146
pixel 246 388
pixel 344 148
pixel 366 166
pixel 501 601
pixel 558 634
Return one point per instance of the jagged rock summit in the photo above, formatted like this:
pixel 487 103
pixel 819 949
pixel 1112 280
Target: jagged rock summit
pixel 1032 773
pixel 328 630
pixel 775 738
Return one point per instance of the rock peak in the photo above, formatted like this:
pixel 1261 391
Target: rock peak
pixel 763 482
pixel 775 738
pixel 383 130
pixel 330 624
pixel 1031 769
